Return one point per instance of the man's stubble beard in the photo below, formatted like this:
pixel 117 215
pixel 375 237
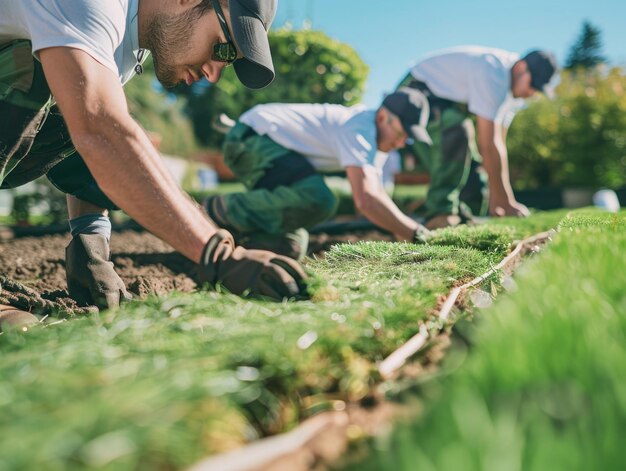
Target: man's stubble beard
pixel 167 37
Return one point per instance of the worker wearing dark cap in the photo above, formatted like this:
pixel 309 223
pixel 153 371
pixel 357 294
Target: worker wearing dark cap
pixel 281 153
pixel 64 114
pixel 492 85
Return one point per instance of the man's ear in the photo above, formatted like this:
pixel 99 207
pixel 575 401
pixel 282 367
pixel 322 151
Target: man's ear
pixel 520 67
pixel 381 115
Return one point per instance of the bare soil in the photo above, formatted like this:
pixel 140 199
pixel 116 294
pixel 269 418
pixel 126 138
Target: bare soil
pixel 32 269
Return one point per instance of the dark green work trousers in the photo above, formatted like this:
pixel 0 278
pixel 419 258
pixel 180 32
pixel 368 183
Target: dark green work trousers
pixel 34 139
pixel 452 160
pixel 284 191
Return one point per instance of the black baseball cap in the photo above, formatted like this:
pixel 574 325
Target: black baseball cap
pixel 543 67
pixel 251 20
pixel 412 109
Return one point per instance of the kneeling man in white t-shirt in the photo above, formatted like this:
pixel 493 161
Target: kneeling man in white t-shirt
pixel 281 153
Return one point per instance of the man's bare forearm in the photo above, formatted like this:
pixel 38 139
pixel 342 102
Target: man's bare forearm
pixel 131 173
pixel 501 197
pixel 383 212
pixel 492 148
pixel 497 171
pixel 119 154
pixel 371 199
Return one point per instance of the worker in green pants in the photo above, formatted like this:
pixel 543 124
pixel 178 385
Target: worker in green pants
pixel 490 84
pixel 281 153
pixel 63 65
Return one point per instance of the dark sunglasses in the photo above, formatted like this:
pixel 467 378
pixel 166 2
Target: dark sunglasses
pixel 224 52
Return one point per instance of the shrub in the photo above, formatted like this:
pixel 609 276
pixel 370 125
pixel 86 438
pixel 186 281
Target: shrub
pixel 578 140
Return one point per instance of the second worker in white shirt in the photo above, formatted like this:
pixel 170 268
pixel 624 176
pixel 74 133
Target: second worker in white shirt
pixel 490 84
pixel 281 152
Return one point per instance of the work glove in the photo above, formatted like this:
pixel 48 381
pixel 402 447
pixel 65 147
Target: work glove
pixel 257 273
pixel 91 278
pixel 421 235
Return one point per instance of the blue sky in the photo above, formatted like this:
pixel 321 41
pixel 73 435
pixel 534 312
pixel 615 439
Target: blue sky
pixel 390 35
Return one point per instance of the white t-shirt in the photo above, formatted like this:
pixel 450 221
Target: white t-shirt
pixel 332 137
pixel 474 75
pixel 104 29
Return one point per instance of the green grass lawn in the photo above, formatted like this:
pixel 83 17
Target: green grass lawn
pixel 542 386
pixel 161 383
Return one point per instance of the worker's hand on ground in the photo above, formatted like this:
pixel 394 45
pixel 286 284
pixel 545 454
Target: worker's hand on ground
pixel 258 273
pixel 91 277
pixel 421 235
pixel 508 208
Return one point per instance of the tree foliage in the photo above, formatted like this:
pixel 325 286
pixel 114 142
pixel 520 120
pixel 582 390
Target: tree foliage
pixel 586 52
pixel 310 68
pixel 578 140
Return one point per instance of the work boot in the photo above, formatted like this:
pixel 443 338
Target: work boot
pixel 443 220
pixel 292 244
pixel 12 318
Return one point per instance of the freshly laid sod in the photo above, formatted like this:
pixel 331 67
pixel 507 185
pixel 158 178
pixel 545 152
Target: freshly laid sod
pixel 543 384
pixel 161 383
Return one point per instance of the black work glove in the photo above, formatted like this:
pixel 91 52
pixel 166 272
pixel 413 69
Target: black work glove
pixel 258 273
pixel 421 235
pixel 91 278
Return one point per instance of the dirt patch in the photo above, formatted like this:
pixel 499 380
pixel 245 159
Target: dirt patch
pixel 32 276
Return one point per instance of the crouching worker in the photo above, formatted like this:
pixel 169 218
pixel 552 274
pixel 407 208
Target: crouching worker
pixel 280 152
pixel 63 114
pixel 491 84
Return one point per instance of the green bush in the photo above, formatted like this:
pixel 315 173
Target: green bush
pixel 578 140
pixel 310 68
pixel 45 201
pixel 22 206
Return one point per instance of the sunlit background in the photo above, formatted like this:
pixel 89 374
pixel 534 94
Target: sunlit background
pixel 390 35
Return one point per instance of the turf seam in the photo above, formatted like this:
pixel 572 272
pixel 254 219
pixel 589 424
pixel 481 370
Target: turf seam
pixel 396 359
pixel 262 454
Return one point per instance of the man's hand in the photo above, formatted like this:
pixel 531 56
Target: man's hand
pixel 91 278
pixel 421 235
pixel 259 273
pixel 508 208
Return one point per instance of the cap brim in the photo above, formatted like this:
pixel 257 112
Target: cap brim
pixel 256 69
pixel 421 134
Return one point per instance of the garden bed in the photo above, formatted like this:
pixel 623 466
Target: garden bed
pixel 33 268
